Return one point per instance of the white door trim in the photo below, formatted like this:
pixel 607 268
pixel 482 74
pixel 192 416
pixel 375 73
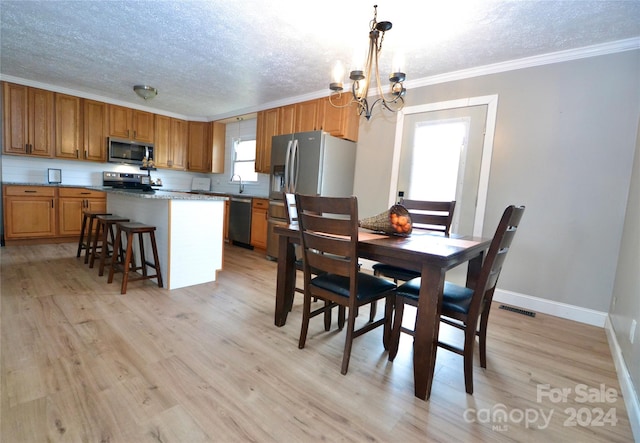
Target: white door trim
pixel 487 149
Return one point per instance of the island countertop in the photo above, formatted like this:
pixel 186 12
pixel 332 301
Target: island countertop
pixel 160 195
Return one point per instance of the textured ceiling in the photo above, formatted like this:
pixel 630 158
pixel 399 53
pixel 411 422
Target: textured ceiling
pixel 217 58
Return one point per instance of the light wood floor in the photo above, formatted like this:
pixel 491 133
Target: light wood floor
pixel 82 363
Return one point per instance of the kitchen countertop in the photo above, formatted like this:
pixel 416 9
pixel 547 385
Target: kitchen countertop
pixel 166 194
pixel 161 195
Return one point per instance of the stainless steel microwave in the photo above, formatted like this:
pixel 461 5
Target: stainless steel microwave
pixel 129 151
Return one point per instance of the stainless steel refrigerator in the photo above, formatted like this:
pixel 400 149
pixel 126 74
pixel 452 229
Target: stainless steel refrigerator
pixel 307 163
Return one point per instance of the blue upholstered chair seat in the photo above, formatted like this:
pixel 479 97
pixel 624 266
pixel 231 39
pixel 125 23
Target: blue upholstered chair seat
pixel 454 298
pixel 368 285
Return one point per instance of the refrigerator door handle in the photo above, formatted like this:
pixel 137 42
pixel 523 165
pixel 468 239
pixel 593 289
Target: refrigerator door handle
pixel 286 169
pixel 295 166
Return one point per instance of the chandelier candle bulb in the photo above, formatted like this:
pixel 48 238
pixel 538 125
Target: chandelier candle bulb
pixel 338 75
pixel 369 75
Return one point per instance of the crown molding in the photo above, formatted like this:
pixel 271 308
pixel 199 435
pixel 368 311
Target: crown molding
pixel 629 44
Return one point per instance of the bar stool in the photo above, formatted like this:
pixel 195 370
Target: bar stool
pixel 104 233
pixel 88 217
pixel 126 266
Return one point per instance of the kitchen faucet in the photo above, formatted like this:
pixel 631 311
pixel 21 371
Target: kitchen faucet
pixel 241 186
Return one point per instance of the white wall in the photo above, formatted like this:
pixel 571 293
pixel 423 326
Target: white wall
pixel 625 304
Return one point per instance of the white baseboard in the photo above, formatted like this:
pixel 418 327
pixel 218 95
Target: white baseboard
pixel 557 309
pixel 624 378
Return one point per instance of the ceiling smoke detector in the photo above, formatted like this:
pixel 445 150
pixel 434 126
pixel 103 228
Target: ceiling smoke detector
pixel 145 91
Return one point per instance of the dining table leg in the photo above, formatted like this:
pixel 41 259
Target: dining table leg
pixel 285 284
pixel 427 327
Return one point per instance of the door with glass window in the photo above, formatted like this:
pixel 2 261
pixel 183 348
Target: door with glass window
pixel 441 158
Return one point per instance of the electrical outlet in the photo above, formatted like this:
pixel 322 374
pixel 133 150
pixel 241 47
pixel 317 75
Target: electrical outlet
pixel 632 330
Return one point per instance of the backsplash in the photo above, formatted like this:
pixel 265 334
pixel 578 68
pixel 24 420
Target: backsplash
pixel 18 169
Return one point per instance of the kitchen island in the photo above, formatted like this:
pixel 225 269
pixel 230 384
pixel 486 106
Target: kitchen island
pixel 189 231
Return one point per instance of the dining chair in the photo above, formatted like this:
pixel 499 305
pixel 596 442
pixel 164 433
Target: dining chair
pixel 425 215
pixel 462 307
pixel 292 216
pixel 329 236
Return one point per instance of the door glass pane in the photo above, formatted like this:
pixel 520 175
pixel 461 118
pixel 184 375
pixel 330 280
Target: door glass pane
pixel 436 159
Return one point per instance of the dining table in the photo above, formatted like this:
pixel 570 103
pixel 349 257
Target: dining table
pixel 432 254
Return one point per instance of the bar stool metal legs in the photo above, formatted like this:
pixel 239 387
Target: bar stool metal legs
pixel 126 266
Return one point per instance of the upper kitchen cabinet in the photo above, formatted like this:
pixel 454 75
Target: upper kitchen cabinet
pixel 340 120
pixel 171 142
pixel 131 124
pixel 205 147
pixel 68 112
pixel 28 120
pixel 96 129
pixel 267 127
pixel 286 119
pixel 217 137
pixel 306 116
pixel 198 157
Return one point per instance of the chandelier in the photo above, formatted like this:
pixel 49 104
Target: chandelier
pixel 362 78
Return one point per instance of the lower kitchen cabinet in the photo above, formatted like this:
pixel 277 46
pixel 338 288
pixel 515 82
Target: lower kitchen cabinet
pixel 71 203
pixel 259 212
pixel 47 213
pixel 29 212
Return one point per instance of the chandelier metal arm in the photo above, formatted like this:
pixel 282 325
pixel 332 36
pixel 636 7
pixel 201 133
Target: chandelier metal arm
pixel 361 79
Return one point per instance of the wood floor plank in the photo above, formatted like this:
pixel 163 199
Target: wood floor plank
pixel 81 362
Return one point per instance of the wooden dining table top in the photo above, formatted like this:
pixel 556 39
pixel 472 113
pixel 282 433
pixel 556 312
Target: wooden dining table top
pixel 410 251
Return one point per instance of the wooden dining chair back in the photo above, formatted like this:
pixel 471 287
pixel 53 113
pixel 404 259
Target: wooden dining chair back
pixel 462 307
pixel 425 215
pixel 430 215
pixel 329 235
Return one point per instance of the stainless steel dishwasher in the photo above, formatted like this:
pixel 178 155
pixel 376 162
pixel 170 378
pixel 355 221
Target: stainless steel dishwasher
pixel 240 221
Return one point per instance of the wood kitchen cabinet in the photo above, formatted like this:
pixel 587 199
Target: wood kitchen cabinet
pixel 341 120
pixel 217 137
pixel 312 115
pixel 198 158
pixel 131 124
pixel 205 147
pixel 287 119
pixel 28 120
pixel 96 129
pixel 46 213
pixel 306 116
pixel 71 203
pixel 170 147
pixel 267 127
pixel 68 118
pixel 259 213
pixel 29 212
